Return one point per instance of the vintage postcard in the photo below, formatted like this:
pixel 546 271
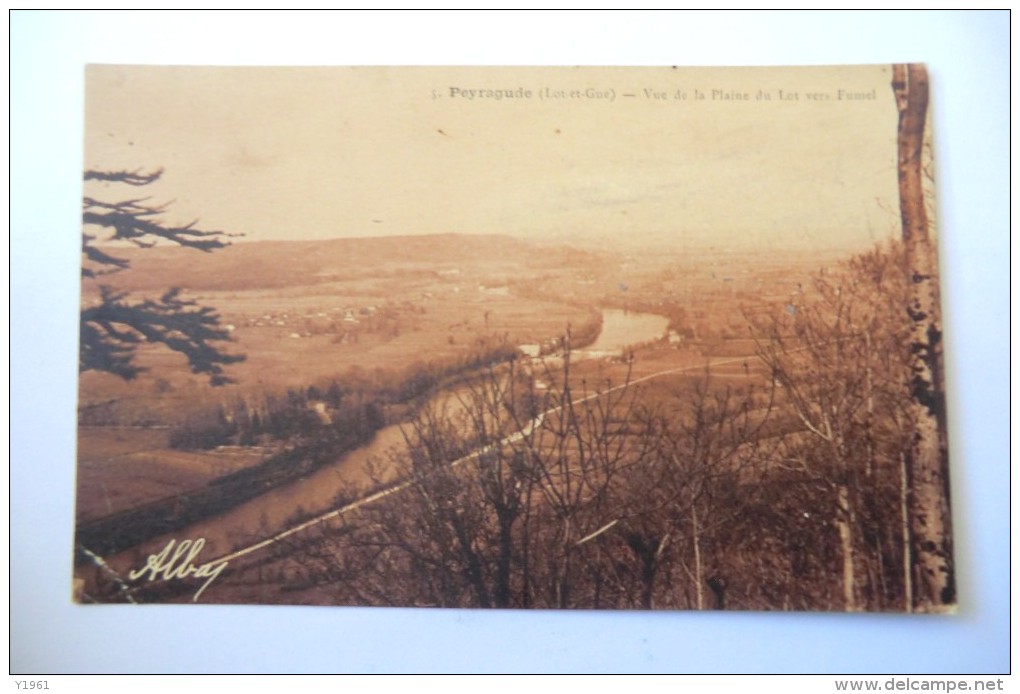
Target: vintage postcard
pixel 597 338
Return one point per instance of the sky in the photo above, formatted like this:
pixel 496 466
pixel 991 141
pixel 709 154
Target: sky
pixel 294 153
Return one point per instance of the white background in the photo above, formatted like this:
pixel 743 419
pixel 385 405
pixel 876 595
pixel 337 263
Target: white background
pixel 968 58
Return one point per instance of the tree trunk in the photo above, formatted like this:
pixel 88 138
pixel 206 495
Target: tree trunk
pixel 908 570
pixel 697 558
pixel 927 459
pixel 845 524
pixel 503 563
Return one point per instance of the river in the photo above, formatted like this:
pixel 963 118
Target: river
pixel 275 510
pixel 622 329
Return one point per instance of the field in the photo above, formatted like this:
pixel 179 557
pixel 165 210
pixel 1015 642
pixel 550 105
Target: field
pixel 409 300
pixel 303 313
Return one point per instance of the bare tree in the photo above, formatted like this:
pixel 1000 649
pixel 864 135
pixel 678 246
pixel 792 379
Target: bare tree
pixel 838 351
pixel 703 476
pixel 505 496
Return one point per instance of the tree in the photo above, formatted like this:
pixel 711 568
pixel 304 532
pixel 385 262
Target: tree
pixel 927 460
pixel 839 352
pixel 508 498
pixel 115 325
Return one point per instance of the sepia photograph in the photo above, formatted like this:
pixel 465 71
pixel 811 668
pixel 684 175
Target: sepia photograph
pixel 580 338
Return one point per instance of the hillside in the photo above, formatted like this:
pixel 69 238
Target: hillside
pixel 278 264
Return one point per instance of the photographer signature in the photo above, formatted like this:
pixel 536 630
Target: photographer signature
pixel 178 561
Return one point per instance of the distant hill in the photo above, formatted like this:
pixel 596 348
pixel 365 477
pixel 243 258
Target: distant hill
pixel 275 264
